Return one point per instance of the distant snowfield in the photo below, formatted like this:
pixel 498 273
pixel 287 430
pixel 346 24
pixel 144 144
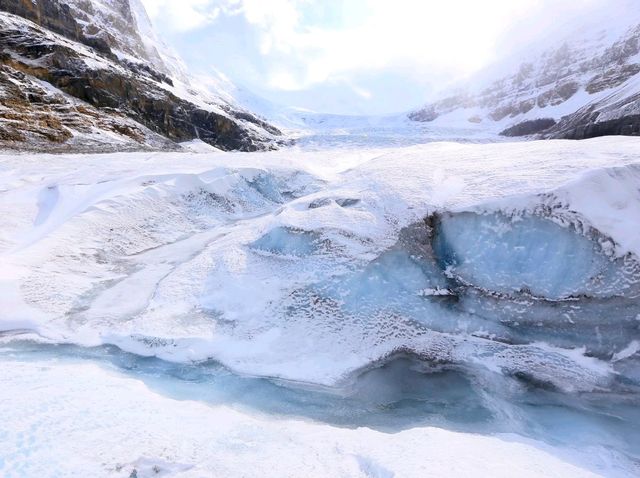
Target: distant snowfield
pixel 513 267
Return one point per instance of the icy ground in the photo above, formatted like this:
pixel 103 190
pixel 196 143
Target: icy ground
pixel 319 132
pixel 442 309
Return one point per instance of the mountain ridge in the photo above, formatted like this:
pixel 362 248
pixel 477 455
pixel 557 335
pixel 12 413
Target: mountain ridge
pixel 54 48
pixel 571 83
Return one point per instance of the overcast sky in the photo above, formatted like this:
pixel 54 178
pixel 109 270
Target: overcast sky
pixel 350 56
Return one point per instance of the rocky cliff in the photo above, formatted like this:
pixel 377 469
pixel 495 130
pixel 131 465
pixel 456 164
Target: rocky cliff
pixel 77 75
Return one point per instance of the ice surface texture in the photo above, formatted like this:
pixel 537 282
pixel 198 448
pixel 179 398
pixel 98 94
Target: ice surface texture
pixel 530 254
pixel 140 416
pixel 510 264
pixel 310 267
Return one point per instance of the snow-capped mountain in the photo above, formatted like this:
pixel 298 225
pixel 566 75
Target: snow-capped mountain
pixel 92 75
pixel 582 83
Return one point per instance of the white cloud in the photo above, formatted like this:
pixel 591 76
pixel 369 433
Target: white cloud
pixel 300 45
pixel 418 35
pixel 183 15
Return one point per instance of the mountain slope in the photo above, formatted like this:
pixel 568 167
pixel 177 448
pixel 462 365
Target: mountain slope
pixel 587 82
pixel 91 54
pixel 34 116
pixel 617 113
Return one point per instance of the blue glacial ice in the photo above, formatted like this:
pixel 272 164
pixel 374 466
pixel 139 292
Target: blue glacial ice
pixel 288 242
pixel 530 254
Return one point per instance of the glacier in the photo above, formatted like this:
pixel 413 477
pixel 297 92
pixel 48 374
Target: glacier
pixel 359 305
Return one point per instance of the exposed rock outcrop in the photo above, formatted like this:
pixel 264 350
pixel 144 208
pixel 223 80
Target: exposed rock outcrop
pixel 530 127
pixel 52 15
pixel 35 118
pixel 576 128
pixel 617 114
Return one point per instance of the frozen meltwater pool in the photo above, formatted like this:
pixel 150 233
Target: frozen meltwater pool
pixel 368 311
pixel 104 412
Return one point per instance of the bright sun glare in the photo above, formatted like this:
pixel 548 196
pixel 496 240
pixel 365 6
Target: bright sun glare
pixel 369 47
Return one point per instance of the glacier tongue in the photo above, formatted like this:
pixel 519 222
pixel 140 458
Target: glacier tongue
pixel 311 267
pixel 478 282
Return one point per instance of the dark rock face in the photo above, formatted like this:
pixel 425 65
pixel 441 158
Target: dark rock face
pixel 52 15
pixel 558 95
pixel 526 128
pixel 34 119
pixel 425 115
pixel 587 123
pixel 94 75
pixel 625 126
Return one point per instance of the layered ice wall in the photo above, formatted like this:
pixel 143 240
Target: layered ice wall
pixel 528 254
pixel 542 280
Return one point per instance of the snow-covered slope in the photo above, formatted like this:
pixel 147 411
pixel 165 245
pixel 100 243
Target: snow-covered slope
pixel 592 65
pixel 113 23
pixel 96 52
